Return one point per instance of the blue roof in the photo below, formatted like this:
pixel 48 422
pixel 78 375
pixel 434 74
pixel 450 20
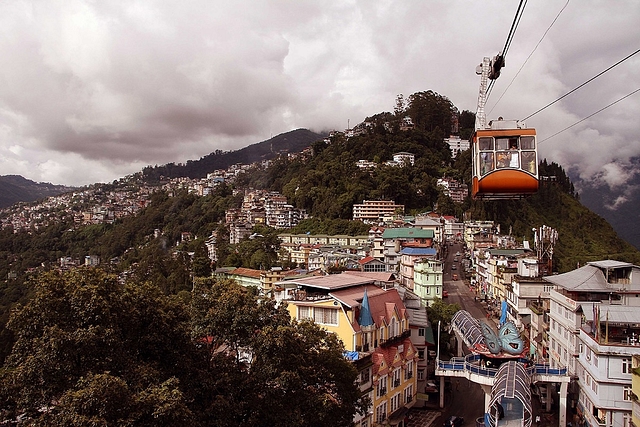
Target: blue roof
pixel 418 251
pixel 365 318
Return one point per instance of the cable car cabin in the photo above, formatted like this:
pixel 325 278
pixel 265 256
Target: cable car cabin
pixel 505 163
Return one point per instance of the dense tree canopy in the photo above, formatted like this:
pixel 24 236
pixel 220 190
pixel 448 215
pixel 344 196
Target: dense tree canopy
pixel 92 351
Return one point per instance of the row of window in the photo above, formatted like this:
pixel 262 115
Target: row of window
pixel 396 402
pixel 503 159
pixel 320 315
pixel 395 379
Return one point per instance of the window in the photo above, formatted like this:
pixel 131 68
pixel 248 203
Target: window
pixel 527 142
pixel 382 386
pixel 326 316
pixel 381 413
pixel 408 372
pixel 485 143
pixel 393 328
pixel 395 402
pixel 304 312
pixel 408 394
pixel 395 378
pixel 529 161
pixel 502 143
pixel 626 393
pixel 626 366
pixel 365 376
pixel 421 354
pixel 420 374
pixel 486 163
pixel 420 332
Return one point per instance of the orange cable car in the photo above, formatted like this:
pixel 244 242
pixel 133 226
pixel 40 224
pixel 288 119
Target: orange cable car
pixel 505 161
pixel 504 152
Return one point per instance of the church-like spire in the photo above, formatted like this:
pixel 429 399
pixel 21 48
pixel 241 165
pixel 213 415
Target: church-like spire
pixel 365 318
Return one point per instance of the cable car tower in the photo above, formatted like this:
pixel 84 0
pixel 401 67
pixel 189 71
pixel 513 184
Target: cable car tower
pixel 504 152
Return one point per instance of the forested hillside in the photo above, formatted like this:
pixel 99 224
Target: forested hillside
pixel 148 247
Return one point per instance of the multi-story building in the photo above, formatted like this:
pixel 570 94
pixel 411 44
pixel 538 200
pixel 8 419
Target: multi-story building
pixel 409 255
pixel 427 222
pixel 393 240
pixel 404 158
pixel 635 389
pixel 454 189
pixel 370 318
pixel 526 287
pixel 457 145
pixel 373 211
pixel 594 329
pixel 427 280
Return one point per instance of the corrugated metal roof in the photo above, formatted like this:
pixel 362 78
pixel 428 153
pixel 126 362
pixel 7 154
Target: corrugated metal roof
pixel 614 313
pixel 586 278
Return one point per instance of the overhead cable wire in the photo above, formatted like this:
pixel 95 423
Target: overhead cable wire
pixel 529 57
pixel 512 32
pixel 588 81
pixel 514 26
pixel 591 115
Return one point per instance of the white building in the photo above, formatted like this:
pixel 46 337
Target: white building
pixel 375 210
pixel 456 145
pixel 594 329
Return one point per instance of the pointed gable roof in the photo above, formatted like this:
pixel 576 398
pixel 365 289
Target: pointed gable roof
pixel 383 306
pixel 384 359
pixel 365 318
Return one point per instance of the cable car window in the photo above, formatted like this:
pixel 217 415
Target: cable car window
pixel 502 143
pixel 514 160
pixel 529 161
pixel 485 143
pixel 527 143
pixel 486 165
pixel 502 159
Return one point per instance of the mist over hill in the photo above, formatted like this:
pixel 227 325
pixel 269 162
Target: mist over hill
pixel 620 206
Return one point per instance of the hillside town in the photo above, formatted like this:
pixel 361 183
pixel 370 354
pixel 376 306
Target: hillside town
pixel 372 291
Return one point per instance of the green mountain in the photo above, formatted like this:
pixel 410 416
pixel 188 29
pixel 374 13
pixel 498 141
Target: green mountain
pixel 14 189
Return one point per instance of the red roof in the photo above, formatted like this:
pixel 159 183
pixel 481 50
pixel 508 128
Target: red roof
pixel 388 355
pixel 366 260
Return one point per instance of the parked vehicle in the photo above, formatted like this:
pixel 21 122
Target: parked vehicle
pixel 453 421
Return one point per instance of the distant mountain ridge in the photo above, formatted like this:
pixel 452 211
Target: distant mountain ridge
pixel 293 141
pixel 15 188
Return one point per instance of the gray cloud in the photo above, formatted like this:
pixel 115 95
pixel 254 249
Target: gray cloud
pixel 91 91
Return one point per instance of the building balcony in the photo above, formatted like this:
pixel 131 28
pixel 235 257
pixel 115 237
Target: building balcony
pixel 395 340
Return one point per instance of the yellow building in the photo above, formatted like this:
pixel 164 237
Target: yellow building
pixel 635 391
pixel 372 322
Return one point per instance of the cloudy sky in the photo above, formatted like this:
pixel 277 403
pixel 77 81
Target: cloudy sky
pixel 91 91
